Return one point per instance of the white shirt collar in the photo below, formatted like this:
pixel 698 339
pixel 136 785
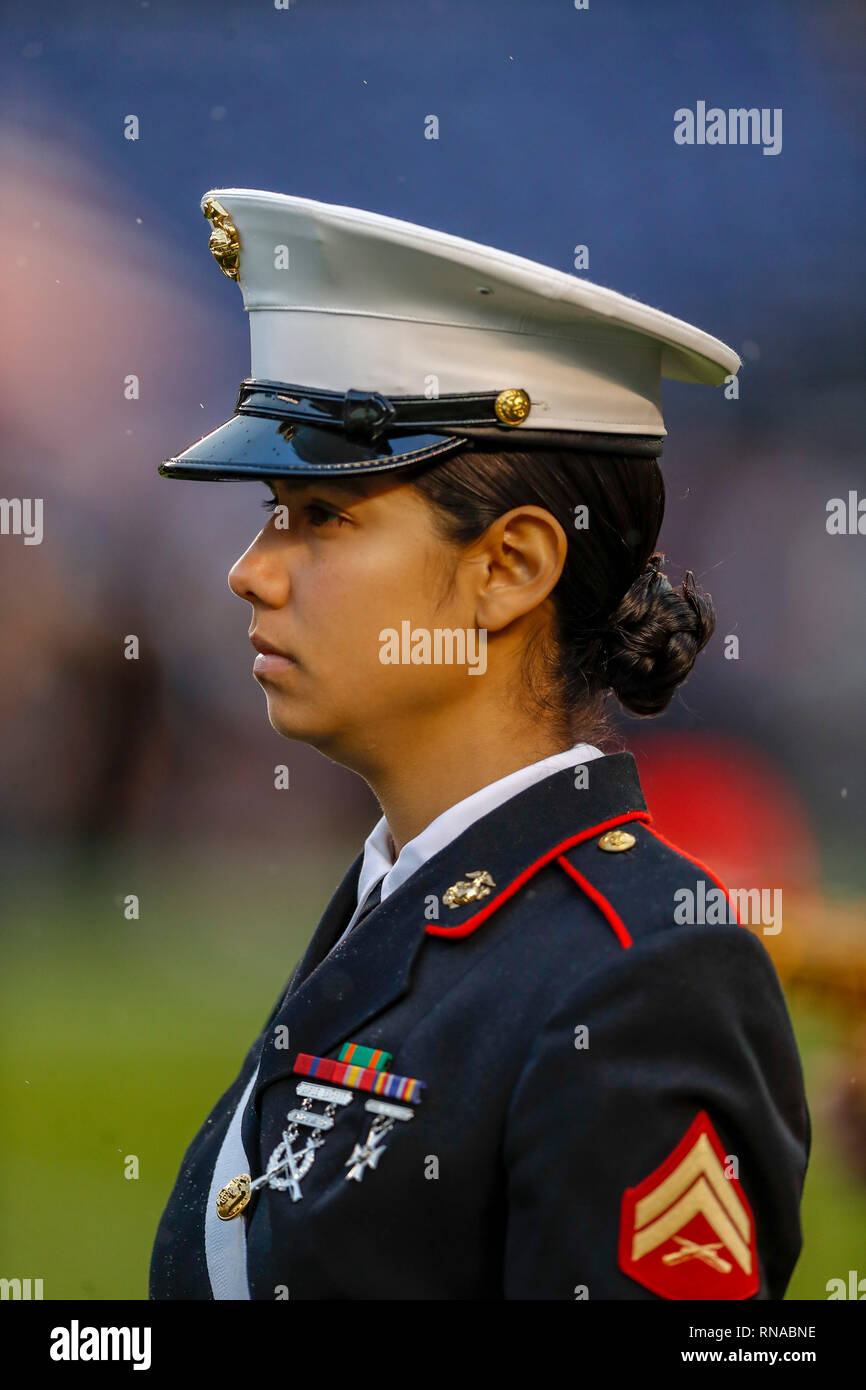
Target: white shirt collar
pixel 378 862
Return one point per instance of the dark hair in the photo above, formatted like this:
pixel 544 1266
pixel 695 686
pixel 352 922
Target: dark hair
pixel 619 624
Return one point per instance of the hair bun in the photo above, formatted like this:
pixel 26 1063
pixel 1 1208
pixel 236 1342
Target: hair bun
pixel 654 637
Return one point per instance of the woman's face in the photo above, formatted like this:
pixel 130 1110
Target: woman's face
pixel 336 566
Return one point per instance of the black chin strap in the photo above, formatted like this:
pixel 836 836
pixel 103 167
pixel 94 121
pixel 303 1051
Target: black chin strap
pixel 367 416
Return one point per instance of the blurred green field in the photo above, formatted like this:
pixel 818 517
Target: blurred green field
pixel 119 1035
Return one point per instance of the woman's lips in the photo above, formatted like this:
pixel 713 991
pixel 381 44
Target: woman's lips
pixel 271 664
pixel 270 661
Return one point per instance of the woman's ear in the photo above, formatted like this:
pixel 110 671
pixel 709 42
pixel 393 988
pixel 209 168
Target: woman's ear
pixel 522 554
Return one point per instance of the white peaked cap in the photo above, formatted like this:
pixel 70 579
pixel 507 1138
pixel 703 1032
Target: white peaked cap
pixel 341 300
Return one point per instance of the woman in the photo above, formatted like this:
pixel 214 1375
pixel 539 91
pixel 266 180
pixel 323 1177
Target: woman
pixel 504 1068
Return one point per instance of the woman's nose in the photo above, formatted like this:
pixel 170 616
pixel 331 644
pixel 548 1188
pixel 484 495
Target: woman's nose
pixel 258 575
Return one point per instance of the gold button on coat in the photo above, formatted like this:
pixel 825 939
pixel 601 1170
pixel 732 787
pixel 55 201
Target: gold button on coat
pixel 232 1198
pixel 615 840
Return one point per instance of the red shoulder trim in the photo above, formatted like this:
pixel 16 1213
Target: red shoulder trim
pixel 472 923
pixel 698 865
pixel 604 906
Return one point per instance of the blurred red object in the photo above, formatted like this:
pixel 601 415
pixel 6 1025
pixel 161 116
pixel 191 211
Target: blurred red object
pixel 730 805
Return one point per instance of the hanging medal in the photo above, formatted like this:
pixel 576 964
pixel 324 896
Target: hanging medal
pixel 334 1082
pixel 360 1068
pixel 367 1155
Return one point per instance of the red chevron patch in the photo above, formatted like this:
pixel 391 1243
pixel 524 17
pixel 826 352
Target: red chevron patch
pixel 687 1231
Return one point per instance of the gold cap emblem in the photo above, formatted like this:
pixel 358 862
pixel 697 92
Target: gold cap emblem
pixel 469 889
pixel 225 244
pixel 615 840
pixel 232 1198
pixel 512 406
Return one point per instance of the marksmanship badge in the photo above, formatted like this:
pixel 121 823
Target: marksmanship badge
pixel 288 1165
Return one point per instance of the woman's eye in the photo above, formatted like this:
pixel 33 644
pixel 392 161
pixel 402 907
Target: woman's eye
pixel 319 515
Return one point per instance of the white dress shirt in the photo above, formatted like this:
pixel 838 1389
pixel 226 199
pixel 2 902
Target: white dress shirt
pixel 379 863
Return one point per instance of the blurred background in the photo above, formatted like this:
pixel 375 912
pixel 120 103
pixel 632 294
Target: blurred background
pixel 155 777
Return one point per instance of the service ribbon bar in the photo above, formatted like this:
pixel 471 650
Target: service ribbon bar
pixel 381 1083
pixel 372 1057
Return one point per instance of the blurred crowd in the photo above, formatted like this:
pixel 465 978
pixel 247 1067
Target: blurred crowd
pixel 108 278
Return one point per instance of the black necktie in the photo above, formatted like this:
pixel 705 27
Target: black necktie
pixel 373 900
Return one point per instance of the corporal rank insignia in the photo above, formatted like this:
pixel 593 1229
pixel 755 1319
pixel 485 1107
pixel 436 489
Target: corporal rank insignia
pixel 687 1231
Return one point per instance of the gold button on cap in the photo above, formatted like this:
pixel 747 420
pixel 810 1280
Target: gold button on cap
pixel 615 840
pixel 512 406
pixel 232 1198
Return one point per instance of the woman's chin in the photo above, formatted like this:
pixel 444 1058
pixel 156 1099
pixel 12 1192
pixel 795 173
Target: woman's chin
pixel 288 724
pixel 292 721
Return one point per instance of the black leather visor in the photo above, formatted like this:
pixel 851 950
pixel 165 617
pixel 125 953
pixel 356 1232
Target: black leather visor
pixel 280 429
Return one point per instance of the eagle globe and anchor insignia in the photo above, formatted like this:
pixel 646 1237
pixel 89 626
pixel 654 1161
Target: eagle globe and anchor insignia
pixel 224 243
pixel 476 885
pixel 357 1068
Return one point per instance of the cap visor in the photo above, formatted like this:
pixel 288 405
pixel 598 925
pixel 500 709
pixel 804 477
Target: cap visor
pixel 249 446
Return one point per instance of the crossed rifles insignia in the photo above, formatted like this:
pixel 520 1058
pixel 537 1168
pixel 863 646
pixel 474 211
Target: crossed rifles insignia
pixel 687 1231
pixel 335 1083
